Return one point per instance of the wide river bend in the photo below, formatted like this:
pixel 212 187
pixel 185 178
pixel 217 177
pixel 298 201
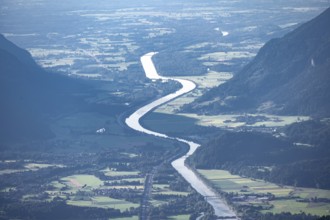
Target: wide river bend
pixel 221 209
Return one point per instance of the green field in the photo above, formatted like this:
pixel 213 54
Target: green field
pixel 78 191
pixel 103 202
pixel 78 181
pixel 165 190
pixel 294 207
pixel 283 201
pixel 37 166
pixel 127 218
pixel 109 172
pixel 204 82
pixel 180 217
pixel 29 167
pixel 231 120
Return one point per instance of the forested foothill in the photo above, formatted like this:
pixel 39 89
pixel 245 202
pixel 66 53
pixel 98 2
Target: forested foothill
pixel 294 155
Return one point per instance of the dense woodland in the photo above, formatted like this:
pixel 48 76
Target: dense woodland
pixel 288 157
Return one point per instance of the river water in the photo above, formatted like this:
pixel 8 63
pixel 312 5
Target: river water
pixel 221 209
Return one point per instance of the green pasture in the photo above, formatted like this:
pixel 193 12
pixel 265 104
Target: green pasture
pixel 127 218
pixel 164 189
pixel 207 81
pixel 77 181
pixel 230 120
pixel 225 56
pixel 37 166
pixel 29 167
pixel 158 189
pixel 294 207
pixel 78 192
pixel 109 172
pixel 58 185
pixel 307 193
pixel 180 217
pixel 103 202
pixel 160 186
pixel 224 181
pixel 170 192
pixel 9 171
pixel 157 203
pixel 72 184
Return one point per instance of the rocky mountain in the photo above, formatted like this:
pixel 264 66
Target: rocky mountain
pixel 29 96
pixel 289 75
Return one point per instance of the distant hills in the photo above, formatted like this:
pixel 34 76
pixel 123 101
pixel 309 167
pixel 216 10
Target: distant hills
pixel 289 75
pixel 29 96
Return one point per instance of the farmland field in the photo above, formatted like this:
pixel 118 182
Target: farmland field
pixel 179 217
pixel 79 191
pixel 109 172
pixel 128 218
pixel 230 121
pixel 164 189
pixel 28 167
pixel 104 202
pixel 287 198
pixel 105 40
pixel 77 181
pixel 204 82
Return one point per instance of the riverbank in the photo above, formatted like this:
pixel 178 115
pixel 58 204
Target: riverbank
pixel 221 209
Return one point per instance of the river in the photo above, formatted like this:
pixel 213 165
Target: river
pixel 221 209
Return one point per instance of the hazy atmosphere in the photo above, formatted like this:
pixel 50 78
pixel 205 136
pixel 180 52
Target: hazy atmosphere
pixel 178 109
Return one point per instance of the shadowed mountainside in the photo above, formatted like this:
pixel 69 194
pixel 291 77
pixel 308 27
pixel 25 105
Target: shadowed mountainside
pixel 290 75
pixel 29 96
pixel 300 157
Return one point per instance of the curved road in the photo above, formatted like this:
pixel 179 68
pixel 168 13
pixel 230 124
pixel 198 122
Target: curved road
pixel 221 209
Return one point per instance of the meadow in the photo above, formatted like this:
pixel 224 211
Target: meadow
pixel 253 192
pixel 204 82
pixel 81 190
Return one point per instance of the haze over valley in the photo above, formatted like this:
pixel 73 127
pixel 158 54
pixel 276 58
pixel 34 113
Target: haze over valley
pixel 164 110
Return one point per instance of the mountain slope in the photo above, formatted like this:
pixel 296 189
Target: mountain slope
pixel 290 75
pixel 29 95
pixel 300 157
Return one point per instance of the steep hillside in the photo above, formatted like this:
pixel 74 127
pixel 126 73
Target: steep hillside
pixel 29 96
pixel 301 157
pixel 290 75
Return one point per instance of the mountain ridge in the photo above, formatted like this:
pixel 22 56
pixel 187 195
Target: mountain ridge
pixel 288 76
pixel 30 96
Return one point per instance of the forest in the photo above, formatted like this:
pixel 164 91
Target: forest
pixel 296 155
